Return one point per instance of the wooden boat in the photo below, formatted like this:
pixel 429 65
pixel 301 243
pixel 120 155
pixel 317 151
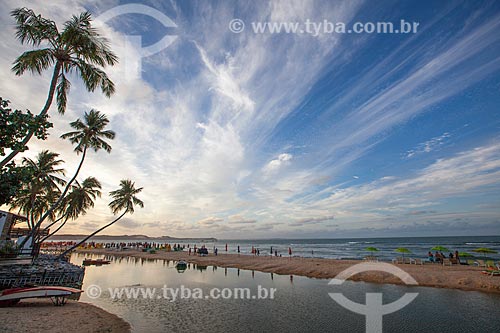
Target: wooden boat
pixel 97 262
pixel 57 293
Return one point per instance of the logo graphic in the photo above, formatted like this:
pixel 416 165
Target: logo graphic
pixel 93 291
pixel 133 50
pixel 374 309
pixel 236 26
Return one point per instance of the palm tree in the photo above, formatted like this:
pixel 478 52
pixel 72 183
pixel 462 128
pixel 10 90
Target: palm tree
pixel 36 197
pixel 123 199
pixel 77 202
pixel 77 48
pixel 88 134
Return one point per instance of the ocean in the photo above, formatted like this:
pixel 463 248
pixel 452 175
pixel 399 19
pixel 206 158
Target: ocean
pixel 350 248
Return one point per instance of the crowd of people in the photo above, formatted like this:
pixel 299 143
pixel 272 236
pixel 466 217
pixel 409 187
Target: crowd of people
pixel 439 257
pixel 145 246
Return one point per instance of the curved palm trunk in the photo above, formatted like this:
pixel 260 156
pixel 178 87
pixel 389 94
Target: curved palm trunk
pixel 55 231
pixel 90 236
pixel 63 194
pixel 46 107
pixel 50 225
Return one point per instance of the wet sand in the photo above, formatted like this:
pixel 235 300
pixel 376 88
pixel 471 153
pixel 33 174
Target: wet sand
pixel 40 315
pixel 461 277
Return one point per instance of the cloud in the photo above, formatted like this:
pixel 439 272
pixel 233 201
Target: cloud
pixel 274 165
pixel 209 221
pixel 311 220
pixel 422 212
pixel 471 172
pixel 428 146
pixel 220 125
pixel 237 219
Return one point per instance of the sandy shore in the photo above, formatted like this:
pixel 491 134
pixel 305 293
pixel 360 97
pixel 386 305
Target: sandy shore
pixel 40 315
pixel 430 275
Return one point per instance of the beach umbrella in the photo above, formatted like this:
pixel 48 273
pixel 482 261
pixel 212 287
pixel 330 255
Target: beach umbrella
pixel 402 250
pixel 465 255
pixel 371 249
pixel 484 251
pixel 440 249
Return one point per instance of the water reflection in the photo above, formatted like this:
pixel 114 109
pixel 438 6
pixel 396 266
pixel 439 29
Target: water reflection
pixel 77 258
pixel 301 304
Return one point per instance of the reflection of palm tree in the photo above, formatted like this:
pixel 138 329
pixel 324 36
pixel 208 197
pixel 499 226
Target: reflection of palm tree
pixel 88 134
pixel 125 198
pixel 78 48
pixel 77 202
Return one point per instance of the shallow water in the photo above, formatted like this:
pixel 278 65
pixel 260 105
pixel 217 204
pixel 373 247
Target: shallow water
pixel 300 304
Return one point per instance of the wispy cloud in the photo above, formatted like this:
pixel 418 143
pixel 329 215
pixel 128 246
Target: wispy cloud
pixel 260 133
pixel 428 146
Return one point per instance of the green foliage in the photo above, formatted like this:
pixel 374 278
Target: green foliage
pixel 12 178
pixel 125 197
pixel 38 194
pixel 8 248
pixel 15 126
pixel 77 47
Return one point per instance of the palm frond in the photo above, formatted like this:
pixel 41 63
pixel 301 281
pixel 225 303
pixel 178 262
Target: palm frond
pixel 32 28
pixel 35 61
pixel 94 77
pixel 62 93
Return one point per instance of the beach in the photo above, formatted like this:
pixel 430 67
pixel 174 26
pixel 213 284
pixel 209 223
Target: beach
pixel 38 315
pixel 462 277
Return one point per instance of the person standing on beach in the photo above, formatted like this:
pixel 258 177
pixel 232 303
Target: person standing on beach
pixel 290 252
pixel 226 247
pixel 238 249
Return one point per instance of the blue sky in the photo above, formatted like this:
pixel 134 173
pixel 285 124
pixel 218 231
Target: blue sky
pixel 292 135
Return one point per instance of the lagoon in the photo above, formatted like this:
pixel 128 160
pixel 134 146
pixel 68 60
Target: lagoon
pixel 300 304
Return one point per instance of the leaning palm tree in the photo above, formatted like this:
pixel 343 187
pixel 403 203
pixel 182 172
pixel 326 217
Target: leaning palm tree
pixel 77 48
pixel 89 133
pixel 125 198
pixel 77 202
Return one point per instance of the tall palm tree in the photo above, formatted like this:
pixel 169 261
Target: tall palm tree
pixel 88 134
pixel 77 48
pixel 77 202
pixel 125 198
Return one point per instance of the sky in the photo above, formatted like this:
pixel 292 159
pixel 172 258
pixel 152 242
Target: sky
pixel 264 135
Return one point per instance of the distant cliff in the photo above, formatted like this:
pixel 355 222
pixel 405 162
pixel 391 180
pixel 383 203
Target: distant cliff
pixel 128 238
